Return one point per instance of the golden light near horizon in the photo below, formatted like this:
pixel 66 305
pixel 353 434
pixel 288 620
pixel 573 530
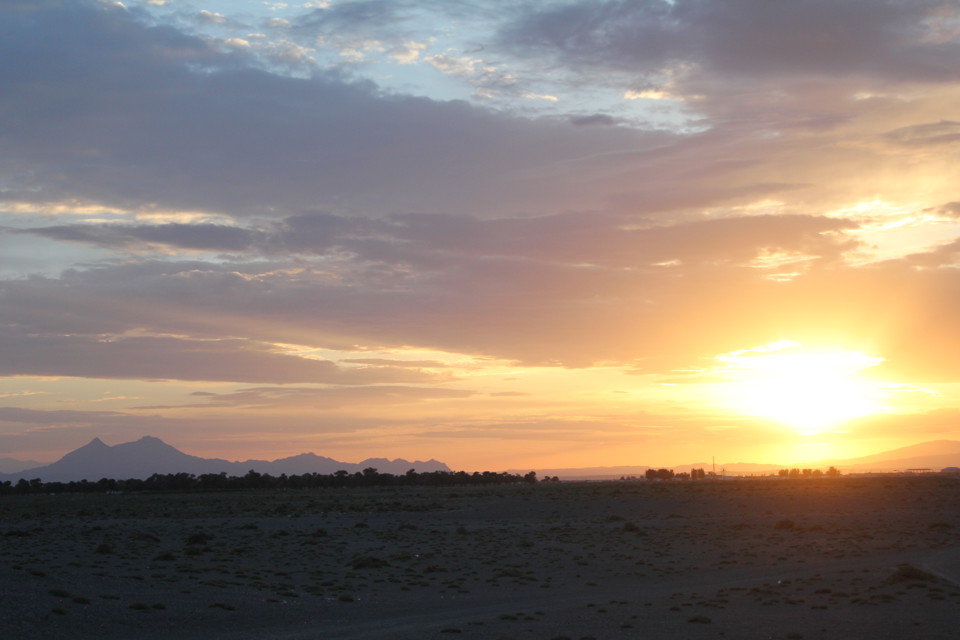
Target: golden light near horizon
pixel 807 390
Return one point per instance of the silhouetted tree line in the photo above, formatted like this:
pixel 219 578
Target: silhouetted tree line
pixel 369 477
pixel 832 472
pixel 670 474
pixel 660 474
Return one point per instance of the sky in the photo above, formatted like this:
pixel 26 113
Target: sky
pixel 500 234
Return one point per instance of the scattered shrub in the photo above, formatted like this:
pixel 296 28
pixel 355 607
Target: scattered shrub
pixel 199 537
pixel 368 562
pixel 909 573
pixel 629 527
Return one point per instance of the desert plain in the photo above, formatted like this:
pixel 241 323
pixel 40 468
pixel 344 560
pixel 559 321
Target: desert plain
pixel 848 557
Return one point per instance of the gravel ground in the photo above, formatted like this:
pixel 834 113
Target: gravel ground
pixel 818 558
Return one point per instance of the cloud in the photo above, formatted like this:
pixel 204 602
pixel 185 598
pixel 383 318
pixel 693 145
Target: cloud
pixel 534 289
pixel 211 16
pixel 424 364
pixel 40 416
pixel 137 114
pixel 178 359
pixel 328 398
pixel 926 134
pixel 505 308
pixel 578 238
pixel 196 128
pixel 408 52
pixel 353 16
pixel 566 289
pixel 598 119
pixel 890 41
pixel 208 237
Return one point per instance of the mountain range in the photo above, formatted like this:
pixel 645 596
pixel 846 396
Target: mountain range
pixel 149 455
pixel 12 465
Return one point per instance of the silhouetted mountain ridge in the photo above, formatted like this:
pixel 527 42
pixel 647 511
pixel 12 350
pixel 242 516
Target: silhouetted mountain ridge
pixel 148 455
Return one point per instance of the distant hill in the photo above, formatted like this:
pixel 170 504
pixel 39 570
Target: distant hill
pixel 12 465
pixel 935 455
pixel 149 455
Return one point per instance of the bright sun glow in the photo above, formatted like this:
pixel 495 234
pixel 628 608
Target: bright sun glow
pixel 809 391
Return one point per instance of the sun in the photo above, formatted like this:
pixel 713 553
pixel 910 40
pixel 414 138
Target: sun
pixel 807 390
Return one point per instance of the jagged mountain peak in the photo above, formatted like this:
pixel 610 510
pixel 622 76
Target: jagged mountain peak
pixel 95 447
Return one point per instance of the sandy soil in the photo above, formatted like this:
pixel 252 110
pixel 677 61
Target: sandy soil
pixel 849 557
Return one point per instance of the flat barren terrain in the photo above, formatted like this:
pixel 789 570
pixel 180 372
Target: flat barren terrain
pixel 819 558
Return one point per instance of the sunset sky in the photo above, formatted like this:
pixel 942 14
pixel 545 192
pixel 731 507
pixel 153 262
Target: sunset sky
pixel 499 233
